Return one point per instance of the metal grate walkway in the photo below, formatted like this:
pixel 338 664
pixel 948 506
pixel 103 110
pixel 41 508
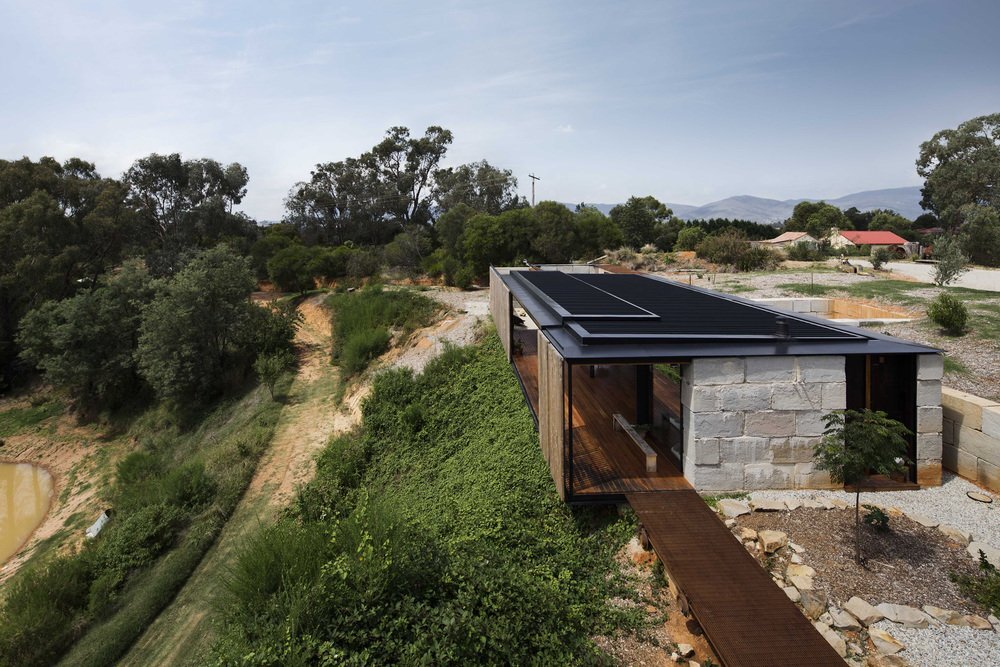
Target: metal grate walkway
pixel 746 618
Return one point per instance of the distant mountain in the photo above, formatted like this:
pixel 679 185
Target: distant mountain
pixel 905 201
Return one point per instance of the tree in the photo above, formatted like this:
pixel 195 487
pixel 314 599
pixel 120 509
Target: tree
pixel 270 368
pixel 555 239
pixel 961 167
pixel 86 343
pixel 478 185
pixel 884 219
pixel 595 232
pixel 689 237
pixel 879 258
pixel 816 219
pixel 498 239
pixel 451 226
pixel 639 218
pixel 856 443
pixel 291 268
pixel 409 249
pixel 272 239
pixel 199 321
pixel 980 235
pixel 951 261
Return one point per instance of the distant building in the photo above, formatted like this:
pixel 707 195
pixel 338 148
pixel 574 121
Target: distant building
pixel 871 240
pixel 789 239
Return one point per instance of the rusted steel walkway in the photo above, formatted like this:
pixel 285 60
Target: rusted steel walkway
pixel 746 618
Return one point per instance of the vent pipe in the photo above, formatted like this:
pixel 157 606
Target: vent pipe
pixel 782 328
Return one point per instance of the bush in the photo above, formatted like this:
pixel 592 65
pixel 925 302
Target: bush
pixel 362 348
pixel 984 588
pixel 876 518
pixel 689 238
pixel 804 252
pixel 733 249
pixel 951 261
pixel 949 313
pixel 879 258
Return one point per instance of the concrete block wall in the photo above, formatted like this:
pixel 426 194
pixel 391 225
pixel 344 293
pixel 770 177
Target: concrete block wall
pixel 930 425
pixel 971 437
pixel 752 422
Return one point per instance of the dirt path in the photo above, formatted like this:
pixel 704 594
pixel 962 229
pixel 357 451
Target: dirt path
pixel 183 633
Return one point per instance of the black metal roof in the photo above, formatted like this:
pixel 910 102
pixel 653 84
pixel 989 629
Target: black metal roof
pixel 636 316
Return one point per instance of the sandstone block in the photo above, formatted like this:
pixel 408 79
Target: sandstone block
pixel 908 617
pixel 813 603
pixel 948 431
pixel 976 622
pixel 929 392
pixel 833 638
pixel 744 397
pixel 706 451
pixel 767 476
pixel 796 396
pixel 943 615
pixel 834 396
pixel 770 369
pixel 744 449
pixel 929 419
pixel 770 424
pixel 956 534
pixel 793 593
pixel 768 505
pixel 722 477
pixel 929 446
pixel 700 398
pixel 885 643
pixel 929 472
pixel 747 534
pixel 925 521
pixel 930 367
pixel 991 421
pixel 821 369
pixel 717 424
pixel 772 540
pixel 989 475
pixel 809 423
pixel 978 444
pixel 844 620
pixel 956 460
pixel 992 554
pixel 732 508
pixel 863 611
pixel 965 409
pixel 722 370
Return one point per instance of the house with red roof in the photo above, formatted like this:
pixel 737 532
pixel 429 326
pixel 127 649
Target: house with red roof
pixel 872 240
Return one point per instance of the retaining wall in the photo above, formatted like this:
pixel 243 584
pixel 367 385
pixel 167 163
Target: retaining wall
pixel 972 437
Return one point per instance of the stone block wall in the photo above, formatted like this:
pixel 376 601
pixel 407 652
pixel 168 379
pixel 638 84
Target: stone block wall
pixel 752 422
pixel 972 437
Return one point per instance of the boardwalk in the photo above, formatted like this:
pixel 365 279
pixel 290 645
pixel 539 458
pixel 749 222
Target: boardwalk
pixel 747 619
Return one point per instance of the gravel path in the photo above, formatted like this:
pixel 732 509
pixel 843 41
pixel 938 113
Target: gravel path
pixel 947 504
pixel 945 645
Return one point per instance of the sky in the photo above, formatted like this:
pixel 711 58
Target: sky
pixel 689 101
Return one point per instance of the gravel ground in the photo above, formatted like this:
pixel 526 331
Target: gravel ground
pixel 946 503
pixel 945 645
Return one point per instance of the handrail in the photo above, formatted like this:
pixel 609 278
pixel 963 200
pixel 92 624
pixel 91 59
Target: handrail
pixel 619 421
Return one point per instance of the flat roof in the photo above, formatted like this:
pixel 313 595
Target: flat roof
pixel 635 316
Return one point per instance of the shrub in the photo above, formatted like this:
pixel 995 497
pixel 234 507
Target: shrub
pixel 733 248
pixel 879 258
pixel 951 261
pixel 804 252
pixel 949 313
pixel 876 518
pixel 362 348
pixel 270 368
pixel 689 238
pixel 291 268
pixel 984 588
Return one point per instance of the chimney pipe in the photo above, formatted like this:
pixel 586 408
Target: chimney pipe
pixel 782 328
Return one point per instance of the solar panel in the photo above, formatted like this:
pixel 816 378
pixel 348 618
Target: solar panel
pixel 578 300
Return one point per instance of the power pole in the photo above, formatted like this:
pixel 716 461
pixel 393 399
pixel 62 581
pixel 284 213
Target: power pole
pixel 533 179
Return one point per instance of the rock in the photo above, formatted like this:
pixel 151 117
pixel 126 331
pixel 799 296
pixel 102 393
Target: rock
pixel 832 638
pixel 747 534
pixel 925 521
pixel 650 609
pixel 813 603
pixel 992 554
pixel 801 583
pixel 944 615
pixel 731 508
pixel 769 506
pixel 956 534
pixel 772 540
pixel 796 559
pixel 977 622
pixel 813 504
pixel 796 548
pixel 686 650
pixel 839 503
pixel 893 661
pixel 637 554
pixel 692 663
pixel 799 571
pixel 895 511
pixel 844 620
pixel 793 503
pixel 730 523
pixel 885 643
pixel 826 618
pixel 793 593
pixel 994 621
pixel 863 611
pixel 908 617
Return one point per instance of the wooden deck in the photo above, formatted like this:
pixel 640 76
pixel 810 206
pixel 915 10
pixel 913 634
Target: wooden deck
pixel 746 618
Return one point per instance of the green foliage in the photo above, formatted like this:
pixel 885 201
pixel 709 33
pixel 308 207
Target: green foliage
pixel 272 239
pixel 362 321
pixel 951 261
pixel 86 343
pixel 949 313
pixel 689 237
pixel 18 419
pixel 755 231
pixel 555 232
pixel 984 588
pixel 639 219
pixel 409 249
pixel 817 219
pixel 980 234
pixel 879 258
pixel 477 186
pixel 595 232
pixel 291 268
pixel 446 541
pixel 876 518
pixel 805 252
pixel 270 367
pixel 732 248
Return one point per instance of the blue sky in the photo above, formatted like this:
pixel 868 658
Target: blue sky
pixel 689 101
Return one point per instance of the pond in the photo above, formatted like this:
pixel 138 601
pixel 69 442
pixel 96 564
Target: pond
pixel 25 496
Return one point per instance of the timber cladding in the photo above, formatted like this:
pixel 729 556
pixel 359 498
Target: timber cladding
pixel 551 413
pixel 500 307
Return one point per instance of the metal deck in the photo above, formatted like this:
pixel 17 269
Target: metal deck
pixel 746 618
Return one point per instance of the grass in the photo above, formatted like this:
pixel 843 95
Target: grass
pixel 713 500
pixel 434 534
pixel 19 419
pixel 984 320
pixel 807 289
pixel 953 365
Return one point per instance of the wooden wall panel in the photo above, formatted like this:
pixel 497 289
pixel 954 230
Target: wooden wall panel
pixel 500 306
pixel 551 417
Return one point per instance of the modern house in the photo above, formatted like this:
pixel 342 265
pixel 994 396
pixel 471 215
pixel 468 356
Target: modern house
pixel 788 239
pixel 639 383
pixel 871 240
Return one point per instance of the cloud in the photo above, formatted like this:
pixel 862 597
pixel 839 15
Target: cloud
pixel 564 129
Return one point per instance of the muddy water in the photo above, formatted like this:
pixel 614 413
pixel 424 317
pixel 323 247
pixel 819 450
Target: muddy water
pixel 25 495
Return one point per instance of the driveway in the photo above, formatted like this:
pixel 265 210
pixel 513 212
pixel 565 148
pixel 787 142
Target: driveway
pixel 984 279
